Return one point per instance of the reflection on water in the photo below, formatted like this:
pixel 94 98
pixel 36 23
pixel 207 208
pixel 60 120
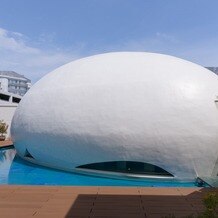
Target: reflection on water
pixel 6 158
pixel 14 170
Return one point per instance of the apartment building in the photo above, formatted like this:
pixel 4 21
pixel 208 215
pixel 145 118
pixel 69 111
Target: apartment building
pixel 13 82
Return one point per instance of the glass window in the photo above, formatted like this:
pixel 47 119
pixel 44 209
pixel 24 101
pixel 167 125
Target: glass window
pixel 128 167
pixel 4 97
pixel 16 100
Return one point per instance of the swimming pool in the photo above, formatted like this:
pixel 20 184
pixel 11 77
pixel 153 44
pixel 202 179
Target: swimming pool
pixel 15 171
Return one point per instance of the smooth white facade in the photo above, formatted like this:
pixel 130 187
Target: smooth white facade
pixel 125 106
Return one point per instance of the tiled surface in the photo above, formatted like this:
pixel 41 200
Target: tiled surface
pixel 6 143
pixel 101 202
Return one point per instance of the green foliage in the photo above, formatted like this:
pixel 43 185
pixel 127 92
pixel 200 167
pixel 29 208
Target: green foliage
pixel 211 206
pixel 3 128
pixel 210 202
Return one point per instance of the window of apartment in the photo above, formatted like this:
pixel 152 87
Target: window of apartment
pixel 11 81
pixel 4 97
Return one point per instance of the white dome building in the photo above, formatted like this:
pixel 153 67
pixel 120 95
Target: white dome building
pixel 126 113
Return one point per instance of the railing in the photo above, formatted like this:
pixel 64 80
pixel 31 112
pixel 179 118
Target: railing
pixel 17 91
pixel 18 84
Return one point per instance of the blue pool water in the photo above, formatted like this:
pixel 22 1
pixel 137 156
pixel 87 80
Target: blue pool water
pixel 14 170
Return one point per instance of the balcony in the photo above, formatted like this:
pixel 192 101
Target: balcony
pixel 17 91
pixel 20 84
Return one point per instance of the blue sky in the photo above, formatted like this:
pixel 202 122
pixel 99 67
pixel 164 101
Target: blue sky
pixel 36 36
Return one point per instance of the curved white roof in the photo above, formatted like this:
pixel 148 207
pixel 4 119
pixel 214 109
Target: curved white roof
pixel 125 106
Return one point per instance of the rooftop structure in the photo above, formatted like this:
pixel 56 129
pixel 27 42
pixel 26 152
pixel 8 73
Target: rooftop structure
pixel 13 82
pixel 130 114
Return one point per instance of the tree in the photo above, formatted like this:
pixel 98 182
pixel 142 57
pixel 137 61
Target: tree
pixel 3 129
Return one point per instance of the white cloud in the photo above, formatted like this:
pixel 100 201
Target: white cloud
pixel 13 41
pixel 16 54
pixel 167 37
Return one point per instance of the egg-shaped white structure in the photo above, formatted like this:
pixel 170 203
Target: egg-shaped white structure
pixel 123 108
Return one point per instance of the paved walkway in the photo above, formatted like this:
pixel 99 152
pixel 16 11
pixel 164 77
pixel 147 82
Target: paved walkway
pixel 6 143
pixel 101 202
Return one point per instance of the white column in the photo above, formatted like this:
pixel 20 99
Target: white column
pixel 4 84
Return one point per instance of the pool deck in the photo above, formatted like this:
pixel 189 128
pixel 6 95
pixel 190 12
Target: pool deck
pixel 5 143
pixel 98 202
pixel 101 202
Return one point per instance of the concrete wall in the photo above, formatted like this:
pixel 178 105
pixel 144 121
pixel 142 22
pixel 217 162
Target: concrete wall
pixel 6 114
pixel 3 84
